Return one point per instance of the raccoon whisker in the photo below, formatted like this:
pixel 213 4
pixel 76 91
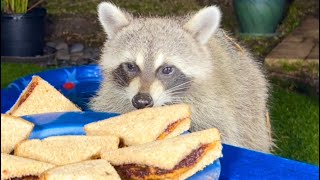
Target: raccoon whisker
pixel 173 100
pixel 180 90
pixel 176 98
pixel 163 98
pixel 180 94
pixel 177 90
pixel 169 95
pixel 178 87
pixel 183 85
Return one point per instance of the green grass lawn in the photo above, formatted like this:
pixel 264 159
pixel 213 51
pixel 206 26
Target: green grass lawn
pixel 295 117
pixel 295 121
pixel 12 71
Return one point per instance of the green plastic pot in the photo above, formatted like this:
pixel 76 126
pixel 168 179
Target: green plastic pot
pixel 259 17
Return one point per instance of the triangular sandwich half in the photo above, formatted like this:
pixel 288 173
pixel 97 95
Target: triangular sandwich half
pixel 61 150
pixel 174 158
pixel 41 97
pixel 13 131
pixel 144 125
pixel 88 170
pixel 18 167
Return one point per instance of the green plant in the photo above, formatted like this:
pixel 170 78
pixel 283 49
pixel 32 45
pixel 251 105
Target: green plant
pixel 17 6
pixel 3 3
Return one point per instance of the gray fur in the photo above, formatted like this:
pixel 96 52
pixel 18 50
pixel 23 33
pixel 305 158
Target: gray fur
pixel 227 88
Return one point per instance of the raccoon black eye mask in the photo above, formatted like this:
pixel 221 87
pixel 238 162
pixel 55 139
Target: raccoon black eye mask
pixel 173 79
pixel 125 73
pixel 169 75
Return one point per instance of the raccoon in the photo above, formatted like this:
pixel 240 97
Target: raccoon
pixel 156 61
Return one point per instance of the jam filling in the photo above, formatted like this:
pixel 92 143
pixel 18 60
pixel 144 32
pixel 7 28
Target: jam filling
pixel 121 144
pixel 27 94
pixel 169 129
pixel 134 171
pixel 31 177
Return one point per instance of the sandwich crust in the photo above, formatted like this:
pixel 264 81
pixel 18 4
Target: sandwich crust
pixel 17 167
pixel 144 125
pixel 13 131
pixel 62 150
pixel 89 170
pixel 163 154
pixel 41 97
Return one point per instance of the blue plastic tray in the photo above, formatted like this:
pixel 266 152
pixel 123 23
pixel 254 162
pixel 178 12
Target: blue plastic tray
pixel 80 83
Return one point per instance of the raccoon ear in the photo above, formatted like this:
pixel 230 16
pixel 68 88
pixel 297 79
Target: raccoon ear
pixel 112 18
pixel 204 23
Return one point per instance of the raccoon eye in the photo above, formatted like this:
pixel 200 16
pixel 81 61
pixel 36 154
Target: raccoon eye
pixel 131 67
pixel 167 70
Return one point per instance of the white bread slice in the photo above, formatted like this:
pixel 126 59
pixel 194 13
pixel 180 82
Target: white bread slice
pixel 144 125
pixel 13 131
pixel 167 153
pixel 86 170
pixel 15 167
pixel 40 97
pixel 61 150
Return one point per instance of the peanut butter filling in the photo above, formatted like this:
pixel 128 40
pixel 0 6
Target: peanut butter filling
pixel 134 171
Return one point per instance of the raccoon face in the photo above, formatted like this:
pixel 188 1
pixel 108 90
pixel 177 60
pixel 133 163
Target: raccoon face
pixel 155 61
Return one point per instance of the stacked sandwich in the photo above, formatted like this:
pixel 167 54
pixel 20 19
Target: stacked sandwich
pixel 13 131
pixel 142 144
pixel 152 147
pixel 29 159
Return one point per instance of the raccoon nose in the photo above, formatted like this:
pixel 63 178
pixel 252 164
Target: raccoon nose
pixel 142 100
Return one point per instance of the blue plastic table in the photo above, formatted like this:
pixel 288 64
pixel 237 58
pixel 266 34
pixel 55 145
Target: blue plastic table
pixel 80 83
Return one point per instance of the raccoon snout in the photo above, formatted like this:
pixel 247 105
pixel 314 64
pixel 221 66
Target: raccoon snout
pixel 142 100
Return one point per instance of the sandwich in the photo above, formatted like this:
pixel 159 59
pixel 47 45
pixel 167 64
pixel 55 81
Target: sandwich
pixel 14 167
pixel 88 170
pixel 13 131
pixel 62 150
pixel 40 97
pixel 174 158
pixel 144 125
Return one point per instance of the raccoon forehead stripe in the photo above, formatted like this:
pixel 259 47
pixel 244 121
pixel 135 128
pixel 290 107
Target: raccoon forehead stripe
pixel 159 59
pixel 133 87
pixel 140 61
pixel 127 55
pixel 156 90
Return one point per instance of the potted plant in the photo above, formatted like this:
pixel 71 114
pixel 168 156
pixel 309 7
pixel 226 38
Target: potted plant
pixel 22 28
pixel 259 17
